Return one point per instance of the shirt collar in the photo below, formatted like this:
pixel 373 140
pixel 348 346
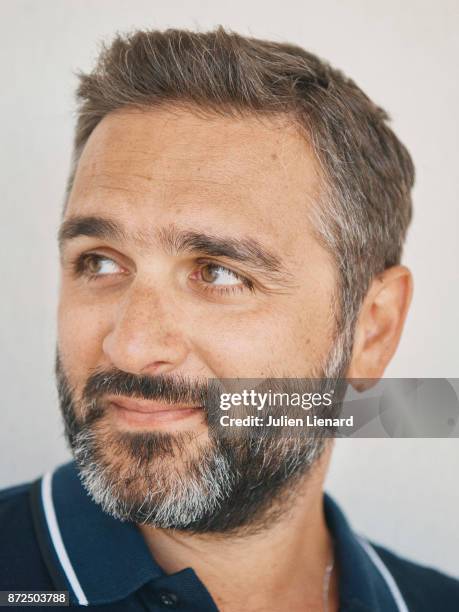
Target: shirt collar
pixel 365 583
pixel 100 559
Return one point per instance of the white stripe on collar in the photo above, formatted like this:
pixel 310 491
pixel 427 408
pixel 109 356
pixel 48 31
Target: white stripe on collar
pixel 387 576
pixel 56 538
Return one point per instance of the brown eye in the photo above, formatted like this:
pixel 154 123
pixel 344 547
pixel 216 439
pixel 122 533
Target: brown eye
pixel 218 275
pixel 93 265
pixel 208 273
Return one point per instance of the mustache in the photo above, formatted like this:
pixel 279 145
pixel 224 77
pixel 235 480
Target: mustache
pixel 168 389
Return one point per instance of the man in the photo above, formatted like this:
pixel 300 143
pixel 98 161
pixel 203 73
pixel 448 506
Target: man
pixel 236 210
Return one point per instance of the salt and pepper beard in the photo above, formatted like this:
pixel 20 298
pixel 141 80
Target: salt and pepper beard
pixel 176 480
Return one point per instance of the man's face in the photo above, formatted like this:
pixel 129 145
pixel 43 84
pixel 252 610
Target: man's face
pixel 210 270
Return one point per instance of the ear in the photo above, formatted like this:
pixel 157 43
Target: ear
pixel 380 322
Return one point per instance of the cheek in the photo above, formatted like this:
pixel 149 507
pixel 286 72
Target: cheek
pixel 81 329
pixel 286 339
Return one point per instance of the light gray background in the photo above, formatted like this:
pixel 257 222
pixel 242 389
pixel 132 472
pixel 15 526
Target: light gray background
pixel 402 493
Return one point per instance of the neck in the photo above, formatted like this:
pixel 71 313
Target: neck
pixel 287 560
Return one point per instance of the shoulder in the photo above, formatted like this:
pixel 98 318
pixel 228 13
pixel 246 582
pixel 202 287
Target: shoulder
pixel 21 563
pixel 423 588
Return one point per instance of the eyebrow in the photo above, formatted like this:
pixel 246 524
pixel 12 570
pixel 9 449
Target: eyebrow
pixel 175 241
pixel 93 227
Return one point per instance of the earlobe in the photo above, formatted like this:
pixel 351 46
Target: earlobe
pixel 380 322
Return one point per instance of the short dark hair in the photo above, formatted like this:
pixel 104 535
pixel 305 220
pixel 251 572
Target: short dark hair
pixel 365 206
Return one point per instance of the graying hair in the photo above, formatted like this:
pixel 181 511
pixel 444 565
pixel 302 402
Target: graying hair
pixel 364 209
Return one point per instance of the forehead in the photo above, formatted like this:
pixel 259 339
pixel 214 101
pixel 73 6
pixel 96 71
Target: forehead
pixel 154 167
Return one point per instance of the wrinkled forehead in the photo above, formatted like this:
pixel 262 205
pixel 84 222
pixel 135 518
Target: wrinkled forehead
pixel 253 173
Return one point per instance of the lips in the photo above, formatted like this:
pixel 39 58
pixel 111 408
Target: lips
pixel 149 412
pixel 147 406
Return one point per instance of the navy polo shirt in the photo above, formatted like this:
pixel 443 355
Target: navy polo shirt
pixel 54 537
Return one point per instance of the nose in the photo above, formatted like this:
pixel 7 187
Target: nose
pixel 146 335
